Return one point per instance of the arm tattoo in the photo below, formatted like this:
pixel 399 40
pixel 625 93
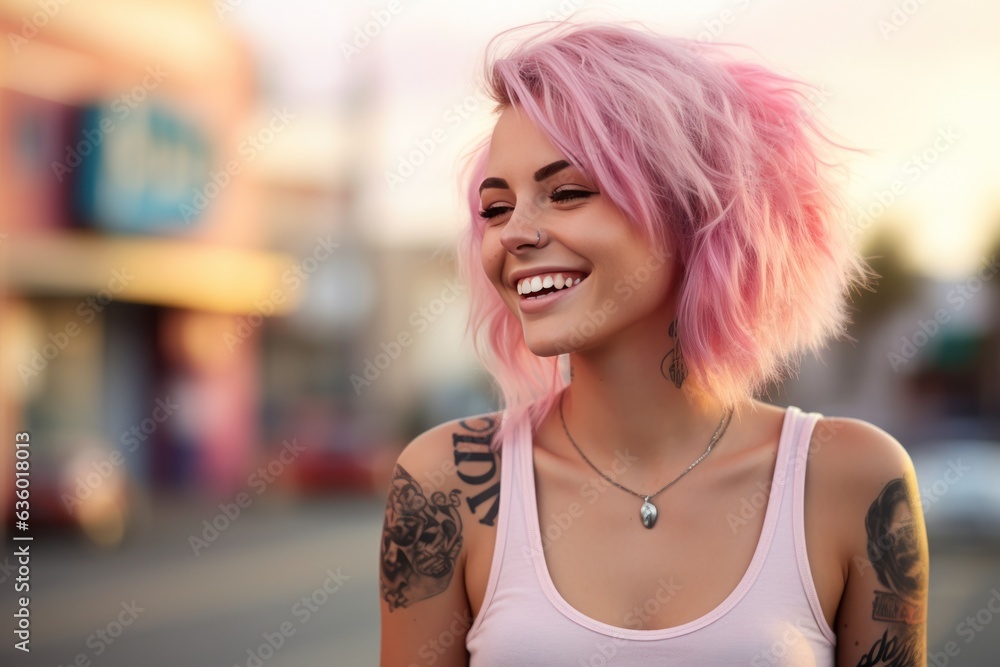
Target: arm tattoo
pixel 421 540
pixel 674 359
pixel 421 537
pixel 895 553
pixel 472 452
pixel 893 652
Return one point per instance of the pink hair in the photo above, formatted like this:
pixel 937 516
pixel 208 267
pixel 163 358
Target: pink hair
pixel 718 161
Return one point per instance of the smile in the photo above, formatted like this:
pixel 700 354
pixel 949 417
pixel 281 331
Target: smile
pixel 535 286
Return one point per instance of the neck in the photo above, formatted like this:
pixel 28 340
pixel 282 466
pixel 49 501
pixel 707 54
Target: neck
pixel 621 405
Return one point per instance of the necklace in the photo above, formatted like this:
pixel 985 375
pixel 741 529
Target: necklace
pixel 648 509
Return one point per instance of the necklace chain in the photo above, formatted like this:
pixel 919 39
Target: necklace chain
pixel 719 431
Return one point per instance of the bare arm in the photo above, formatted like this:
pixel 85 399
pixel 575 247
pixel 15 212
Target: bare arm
pixel 429 520
pixel 882 618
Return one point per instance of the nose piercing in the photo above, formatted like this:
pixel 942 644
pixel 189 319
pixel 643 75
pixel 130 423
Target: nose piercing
pixel 539 237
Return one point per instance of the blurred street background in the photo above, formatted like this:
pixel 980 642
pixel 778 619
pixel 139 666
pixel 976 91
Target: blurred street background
pixel 229 299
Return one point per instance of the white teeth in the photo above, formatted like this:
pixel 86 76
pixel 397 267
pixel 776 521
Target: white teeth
pixel 526 286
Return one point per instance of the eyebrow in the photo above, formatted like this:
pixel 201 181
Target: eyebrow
pixel 539 176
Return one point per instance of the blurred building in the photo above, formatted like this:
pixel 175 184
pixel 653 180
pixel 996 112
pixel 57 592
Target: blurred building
pixel 190 280
pixel 132 250
pixel 924 360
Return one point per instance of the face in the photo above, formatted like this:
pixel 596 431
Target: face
pixel 591 276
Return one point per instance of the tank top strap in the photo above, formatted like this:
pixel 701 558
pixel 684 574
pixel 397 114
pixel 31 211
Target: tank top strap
pixel 809 439
pixel 788 556
pixel 509 520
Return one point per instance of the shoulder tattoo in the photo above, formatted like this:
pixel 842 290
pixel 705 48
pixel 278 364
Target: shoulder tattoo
pixel 421 535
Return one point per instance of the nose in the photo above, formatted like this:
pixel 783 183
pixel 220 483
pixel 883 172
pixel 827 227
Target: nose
pixel 523 230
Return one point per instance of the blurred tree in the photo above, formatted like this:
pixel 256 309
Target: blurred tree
pixel 894 285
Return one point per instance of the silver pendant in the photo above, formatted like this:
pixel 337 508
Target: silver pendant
pixel 648 513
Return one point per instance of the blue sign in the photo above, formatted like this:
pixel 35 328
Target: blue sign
pixel 135 167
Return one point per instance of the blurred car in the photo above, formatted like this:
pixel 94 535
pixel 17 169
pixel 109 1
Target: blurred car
pixel 959 484
pixel 355 468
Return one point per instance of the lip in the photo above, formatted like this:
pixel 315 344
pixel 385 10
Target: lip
pixel 540 304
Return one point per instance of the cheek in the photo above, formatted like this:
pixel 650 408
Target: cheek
pixel 641 279
pixel 491 257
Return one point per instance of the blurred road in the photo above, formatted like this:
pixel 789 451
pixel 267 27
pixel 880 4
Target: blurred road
pixel 212 609
pixel 153 603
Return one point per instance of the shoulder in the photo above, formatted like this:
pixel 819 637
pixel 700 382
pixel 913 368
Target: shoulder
pixel 442 437
pixel 442 447
pixel 856 453
pixel 445 483
pixel 857 471
pixel 456 458
pixel 865 489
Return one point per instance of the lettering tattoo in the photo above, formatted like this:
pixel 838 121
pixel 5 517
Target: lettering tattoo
pixel 894 549
pixel 674 360
pixel 892 651
pixel 421 536
pixel 421 540
pixel 472 453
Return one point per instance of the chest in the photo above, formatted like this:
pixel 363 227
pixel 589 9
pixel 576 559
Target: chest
pixel 606 565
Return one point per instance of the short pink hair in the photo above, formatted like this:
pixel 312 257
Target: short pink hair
pixel 719 161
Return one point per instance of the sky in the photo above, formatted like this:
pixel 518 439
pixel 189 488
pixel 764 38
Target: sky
pixel 915 83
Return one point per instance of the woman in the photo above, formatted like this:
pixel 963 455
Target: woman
pixel 655 238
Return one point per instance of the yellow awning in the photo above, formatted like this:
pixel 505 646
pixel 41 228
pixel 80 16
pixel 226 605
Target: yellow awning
pixel 158 271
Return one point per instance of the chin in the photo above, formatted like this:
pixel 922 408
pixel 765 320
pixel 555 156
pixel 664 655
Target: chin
pixel 554 343
pixel 548 348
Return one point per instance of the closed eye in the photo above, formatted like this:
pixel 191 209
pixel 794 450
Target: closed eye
pixel 564 195
pixel 557 196
pixel 493 211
